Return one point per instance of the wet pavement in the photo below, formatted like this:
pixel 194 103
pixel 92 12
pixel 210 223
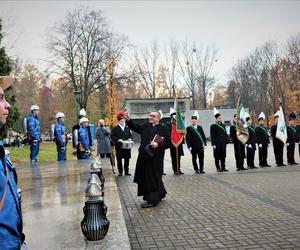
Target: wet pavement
pixel 52 204
pixel 253 209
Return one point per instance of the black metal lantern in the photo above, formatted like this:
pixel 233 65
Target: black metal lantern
pixel 94 225
pixel 97 169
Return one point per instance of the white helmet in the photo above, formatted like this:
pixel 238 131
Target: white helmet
pixel 59 115
pixel 83 119
pixel 82 112
pixel 34 107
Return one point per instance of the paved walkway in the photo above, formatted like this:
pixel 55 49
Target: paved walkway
pixel 253 209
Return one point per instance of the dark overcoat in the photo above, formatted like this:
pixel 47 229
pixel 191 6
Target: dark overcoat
pixel 219 138
pixel 149 169
pixel 262 136
pixel 116 134
pixel 252 138
pixel 239 147
pixel 193 140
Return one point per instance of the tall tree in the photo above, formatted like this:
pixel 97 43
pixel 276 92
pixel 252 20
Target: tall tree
pixel 81 47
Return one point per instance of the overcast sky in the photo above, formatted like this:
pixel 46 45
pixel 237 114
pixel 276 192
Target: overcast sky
pixel 235 27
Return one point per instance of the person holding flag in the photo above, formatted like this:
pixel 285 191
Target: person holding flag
pixel 196 142
pixel 251 143
pixel 219 139
pixel 177 130
pixel 291 139
pixel 239 148
pixel 277 143
pixel 262 139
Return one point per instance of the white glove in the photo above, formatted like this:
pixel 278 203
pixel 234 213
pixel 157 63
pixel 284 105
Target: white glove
pixel 246 145
pixel 190 149
pixel 249 146
pixel 205 147
pixel 214 146
pixel 260 145
pixel 287 144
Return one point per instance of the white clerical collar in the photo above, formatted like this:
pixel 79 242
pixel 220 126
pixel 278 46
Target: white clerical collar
pixel 122 127
pixel 195 126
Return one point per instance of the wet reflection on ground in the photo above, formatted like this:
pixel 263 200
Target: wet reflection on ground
pixel 52 202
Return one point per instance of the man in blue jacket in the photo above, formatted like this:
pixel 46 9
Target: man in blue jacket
pixel 60 137
pixel 10 212
pixel 34 132
pixel 83 149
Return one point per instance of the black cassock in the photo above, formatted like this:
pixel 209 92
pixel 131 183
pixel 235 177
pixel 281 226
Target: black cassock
pixel 149 170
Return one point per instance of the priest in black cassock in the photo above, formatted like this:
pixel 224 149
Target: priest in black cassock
pixel 149 165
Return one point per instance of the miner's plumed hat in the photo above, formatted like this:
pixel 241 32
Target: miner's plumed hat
pixel 261 116
pixel 276 114
pixel 195 115
pixel 216 113
pixel 172 112
pixel 6 82
pixel 82 112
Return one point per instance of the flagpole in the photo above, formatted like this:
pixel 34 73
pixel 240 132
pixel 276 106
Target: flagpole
pixel 177 160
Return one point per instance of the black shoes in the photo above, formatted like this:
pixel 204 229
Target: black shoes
pixel 219 170
pixel 120 174
pixel 202 172
pixel 176 173
pixel 293 163
pixel 164 174
pixel 128 174
pixel 252 167
pixel 224 170
pixel 147 205
pixel 197 172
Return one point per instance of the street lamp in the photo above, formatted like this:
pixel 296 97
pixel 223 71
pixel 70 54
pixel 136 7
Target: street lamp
pixel 77 94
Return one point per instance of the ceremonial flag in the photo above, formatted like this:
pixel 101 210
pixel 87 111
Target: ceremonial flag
pixel 242 132
pixel 281 132
pixel 178 129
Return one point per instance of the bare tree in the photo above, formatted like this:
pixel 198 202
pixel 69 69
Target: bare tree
pixel 171 60
pixel 146 65
pixel 205 59
pixel 196 67
pixel 82 47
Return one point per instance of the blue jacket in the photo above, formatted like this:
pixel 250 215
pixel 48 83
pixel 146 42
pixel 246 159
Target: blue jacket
pixel 10 215
pixel 59 130
pixel 33 127
pixel 84 137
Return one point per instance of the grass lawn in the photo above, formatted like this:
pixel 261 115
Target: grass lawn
pixel 47 152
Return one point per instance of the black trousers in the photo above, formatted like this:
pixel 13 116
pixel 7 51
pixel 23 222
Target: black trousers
pixel 120 165
pixel 174 163
pixel 278 152
pixel 263 155
pixel 239 153
pixel 291 153
pixel 217 163
pixel 200 155
pixel 250 157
